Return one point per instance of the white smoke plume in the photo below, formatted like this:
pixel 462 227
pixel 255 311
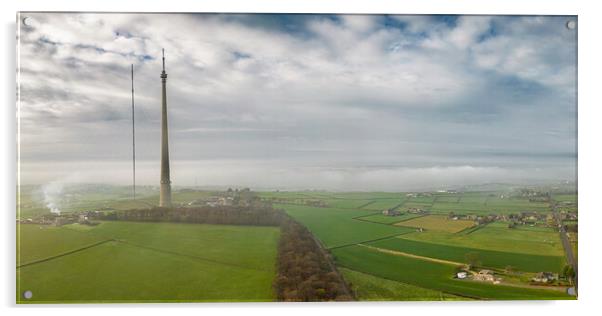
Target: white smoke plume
pixel 52 196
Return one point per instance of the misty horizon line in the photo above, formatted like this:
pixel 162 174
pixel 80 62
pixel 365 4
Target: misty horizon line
pixel 284 188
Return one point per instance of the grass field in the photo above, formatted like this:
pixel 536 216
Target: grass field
pixel 438 223
pixel 498 237
pixel 489 258
pixel 36 242
pixel 384 204
pixel 431 275
pixel 187 262
pixel 565 197
pixel 371 288
pixel 336 227
pixel 342 203
pixel 379 218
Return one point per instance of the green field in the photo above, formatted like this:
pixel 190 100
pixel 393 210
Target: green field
pixel 382 276
pixel 383 219
pixel 37 242
pixel 384 204
pixel 437 223
pixel 489 258
pixel 336 227
pixel 342 203
pixel 431 275
pixel 565 197
pixel 148 262
pixel 496 236
pixel 371 288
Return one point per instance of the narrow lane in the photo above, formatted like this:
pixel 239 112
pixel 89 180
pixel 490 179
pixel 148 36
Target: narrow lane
pixel 570 256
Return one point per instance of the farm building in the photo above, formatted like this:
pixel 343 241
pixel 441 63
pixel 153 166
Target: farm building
pixel 415 210
pixel 60 221
pixel 485 275
pixel 391 212
pixel 462 275
pixel 545 277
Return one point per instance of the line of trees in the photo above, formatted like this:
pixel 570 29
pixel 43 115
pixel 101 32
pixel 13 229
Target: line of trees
pixel 222 215
pixel 304 271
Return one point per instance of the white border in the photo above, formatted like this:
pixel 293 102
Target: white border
pixel 589 150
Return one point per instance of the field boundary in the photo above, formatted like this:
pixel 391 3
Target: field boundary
pixel 64 253
pixel 359 218
pixel 190 256
pixel 409 255
pixel 472 229
pixel 372 240
pixel 371 202
pixel 428 288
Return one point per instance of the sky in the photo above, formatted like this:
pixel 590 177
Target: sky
pixel 276 101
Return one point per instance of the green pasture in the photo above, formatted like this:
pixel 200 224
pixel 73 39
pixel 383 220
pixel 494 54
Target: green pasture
pixel 383 204
pixel 448 198
pixel 380 218
pixel 148 262
pixel 565 197
pixel 36 242
pixel 488 258
pixel 344 203
pixel 421 199
pixel 431 275
pixel 438 223
pixel 371 288
pixel 367 195
pixel 117 272
pixel 498 237
pixel 336 227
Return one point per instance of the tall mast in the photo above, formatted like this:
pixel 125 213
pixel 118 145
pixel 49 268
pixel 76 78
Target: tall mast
pixel 165 194
pixel 133 139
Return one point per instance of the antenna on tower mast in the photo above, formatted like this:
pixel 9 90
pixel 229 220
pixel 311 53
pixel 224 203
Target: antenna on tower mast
pixel 133 139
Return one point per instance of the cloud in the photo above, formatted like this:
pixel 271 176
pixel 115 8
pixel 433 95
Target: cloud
pixel 316 90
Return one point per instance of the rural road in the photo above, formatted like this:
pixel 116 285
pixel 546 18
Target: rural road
pixel 566 244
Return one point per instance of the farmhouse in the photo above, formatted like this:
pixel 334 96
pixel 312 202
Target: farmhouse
pixel 391 212
pixel 60 221
pixel 545 277
pixel 485 275
pixel 414 210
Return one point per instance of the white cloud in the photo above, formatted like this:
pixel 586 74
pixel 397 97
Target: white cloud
pixel 376 94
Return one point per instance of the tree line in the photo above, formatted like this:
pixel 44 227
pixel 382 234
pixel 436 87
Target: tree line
pixel 305 272
pixel 221 215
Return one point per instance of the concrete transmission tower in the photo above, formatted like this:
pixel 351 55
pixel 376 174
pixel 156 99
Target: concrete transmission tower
pixel 165 195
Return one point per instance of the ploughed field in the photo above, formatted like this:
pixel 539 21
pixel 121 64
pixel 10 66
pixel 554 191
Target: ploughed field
pixel 415 256
pixel 145 262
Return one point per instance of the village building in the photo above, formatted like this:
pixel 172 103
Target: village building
pixel 485 275
pixel 391 212
pixel 545 277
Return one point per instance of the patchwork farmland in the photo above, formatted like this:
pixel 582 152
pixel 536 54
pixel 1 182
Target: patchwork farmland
pixel 423 240
pixel 387 246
